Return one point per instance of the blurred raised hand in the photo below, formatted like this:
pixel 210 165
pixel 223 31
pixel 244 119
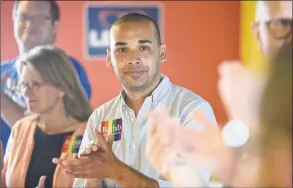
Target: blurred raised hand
pixel 240 90
pixel 170 146
pixel 205 148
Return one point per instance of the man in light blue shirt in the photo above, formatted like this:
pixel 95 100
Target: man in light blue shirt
pixel 135 54
pixel 35 23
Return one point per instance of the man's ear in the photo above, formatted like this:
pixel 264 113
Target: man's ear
pixel 255 30
pixel 163 53
pixel 108 58
pixel 55 27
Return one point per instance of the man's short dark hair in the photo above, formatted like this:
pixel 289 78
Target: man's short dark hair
pixel 136 17
pixel 55 11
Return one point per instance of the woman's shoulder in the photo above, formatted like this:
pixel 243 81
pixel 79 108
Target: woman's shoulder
pixel 24 123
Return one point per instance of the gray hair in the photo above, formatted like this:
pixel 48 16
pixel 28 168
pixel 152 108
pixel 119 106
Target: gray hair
pixel 56 68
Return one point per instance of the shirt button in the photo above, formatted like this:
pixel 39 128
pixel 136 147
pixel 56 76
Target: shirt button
pixel 133 147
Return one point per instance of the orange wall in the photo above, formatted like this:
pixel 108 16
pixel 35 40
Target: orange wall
pixel 198 35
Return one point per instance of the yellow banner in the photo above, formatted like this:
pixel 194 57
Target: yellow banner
pixel 250 51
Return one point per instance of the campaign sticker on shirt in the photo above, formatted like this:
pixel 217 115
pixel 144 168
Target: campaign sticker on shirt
pixel 72 144
pixel 112 127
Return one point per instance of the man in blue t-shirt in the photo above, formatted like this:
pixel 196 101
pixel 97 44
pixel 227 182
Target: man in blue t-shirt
pixel 35 23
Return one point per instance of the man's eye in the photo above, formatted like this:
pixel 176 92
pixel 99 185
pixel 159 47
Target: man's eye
pixel 144 48
pixel 282 23
pixel 121 50
pixel 285 22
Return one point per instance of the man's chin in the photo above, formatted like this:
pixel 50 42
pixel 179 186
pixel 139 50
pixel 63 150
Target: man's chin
pixel 29 46
pixel 134 87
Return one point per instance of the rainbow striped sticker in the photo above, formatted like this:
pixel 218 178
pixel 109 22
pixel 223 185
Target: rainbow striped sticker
pixel 112 127
pixel 72 144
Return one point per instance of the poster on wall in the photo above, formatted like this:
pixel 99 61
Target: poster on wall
pixel 99 16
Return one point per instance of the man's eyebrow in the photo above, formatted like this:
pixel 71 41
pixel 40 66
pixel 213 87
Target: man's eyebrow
pixel 120 43
pixel 144 41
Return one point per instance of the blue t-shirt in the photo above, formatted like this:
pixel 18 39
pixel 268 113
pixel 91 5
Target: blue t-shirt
pixel 16 96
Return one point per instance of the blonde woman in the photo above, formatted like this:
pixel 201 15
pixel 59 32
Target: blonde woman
pixel 263 160
pixel 58 111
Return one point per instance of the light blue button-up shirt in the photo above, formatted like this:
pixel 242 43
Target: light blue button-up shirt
pixel 130 147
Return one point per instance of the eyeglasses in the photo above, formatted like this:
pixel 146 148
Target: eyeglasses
pixel 37 18
pixel 33 86
pixel 279 28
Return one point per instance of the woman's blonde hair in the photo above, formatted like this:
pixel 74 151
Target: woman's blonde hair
pixel 276 104
pixel 275 139
pixel 56 68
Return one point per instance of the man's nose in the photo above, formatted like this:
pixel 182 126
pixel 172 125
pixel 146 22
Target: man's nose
pixel 134 58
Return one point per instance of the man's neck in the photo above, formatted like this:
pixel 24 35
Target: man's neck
pixel 22 50
pixel 135 100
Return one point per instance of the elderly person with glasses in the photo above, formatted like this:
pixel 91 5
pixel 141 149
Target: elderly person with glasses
pixel 58 111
